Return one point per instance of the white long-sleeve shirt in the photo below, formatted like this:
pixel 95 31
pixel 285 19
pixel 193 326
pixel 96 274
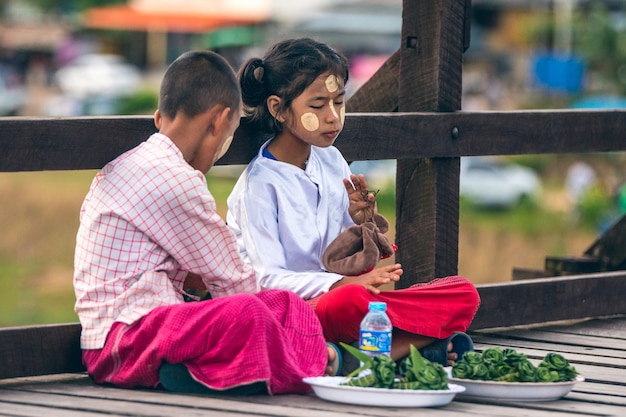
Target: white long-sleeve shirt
pixel 147 220
pixel 285 217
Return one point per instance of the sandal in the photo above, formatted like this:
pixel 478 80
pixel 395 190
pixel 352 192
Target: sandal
pixel 336 364
pixel 437 351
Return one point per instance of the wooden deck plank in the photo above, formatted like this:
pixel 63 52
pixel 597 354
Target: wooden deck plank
pixel 601 369
pixel 142 402
pixel 567 339
pixel 603 393
pixel 598 353
pixel 599 388
pixel 614 327
pixel 131 407
pixel 291 405
pixel 283 406
pixel 539 352
pixel 598 398
pixel 24 410
pixel 560 407
pixel 597 373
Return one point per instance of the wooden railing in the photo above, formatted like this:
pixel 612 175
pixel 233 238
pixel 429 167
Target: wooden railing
pixel 408 112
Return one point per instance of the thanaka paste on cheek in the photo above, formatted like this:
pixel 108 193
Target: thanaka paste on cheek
pixel 310 122
pixel 331 83
pixel 225 147
pixel 342 114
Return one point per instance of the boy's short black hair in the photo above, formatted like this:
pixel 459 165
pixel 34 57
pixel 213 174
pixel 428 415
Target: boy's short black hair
pixel 197 81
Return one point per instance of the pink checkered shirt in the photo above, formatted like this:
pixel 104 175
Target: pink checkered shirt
pixel 147 220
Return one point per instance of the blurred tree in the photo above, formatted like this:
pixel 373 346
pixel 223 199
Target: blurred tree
pixel 142 102
pixel 598 35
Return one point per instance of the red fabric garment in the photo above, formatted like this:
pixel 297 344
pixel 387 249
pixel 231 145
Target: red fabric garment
pixel 435 309
pixel 225 342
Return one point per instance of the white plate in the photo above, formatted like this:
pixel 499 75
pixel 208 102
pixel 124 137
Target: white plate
pixel 328 388
pixel 516 391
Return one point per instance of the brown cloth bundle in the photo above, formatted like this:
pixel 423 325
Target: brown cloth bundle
pixel 358 249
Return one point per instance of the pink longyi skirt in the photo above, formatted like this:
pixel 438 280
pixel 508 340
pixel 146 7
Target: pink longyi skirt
pixel 227 342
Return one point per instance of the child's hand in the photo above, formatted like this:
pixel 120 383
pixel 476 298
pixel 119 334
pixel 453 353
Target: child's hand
pixel 362 201
pixel 373 279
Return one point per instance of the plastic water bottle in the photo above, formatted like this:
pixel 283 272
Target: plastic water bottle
pixel 375 334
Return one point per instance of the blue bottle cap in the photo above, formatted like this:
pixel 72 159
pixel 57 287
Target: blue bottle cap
pixel 378 306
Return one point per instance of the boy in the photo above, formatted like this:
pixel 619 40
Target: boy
pixel 147 225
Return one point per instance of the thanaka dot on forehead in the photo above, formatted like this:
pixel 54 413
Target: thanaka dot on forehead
pixel 331 83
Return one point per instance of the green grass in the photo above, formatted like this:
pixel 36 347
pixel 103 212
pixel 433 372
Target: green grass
pixel 23 301
pixel 526 219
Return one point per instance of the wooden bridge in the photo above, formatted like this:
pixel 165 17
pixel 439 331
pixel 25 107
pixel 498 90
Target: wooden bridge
pixel 594 347
pixel 408 111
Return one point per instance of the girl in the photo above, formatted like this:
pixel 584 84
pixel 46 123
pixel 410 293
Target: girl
pixel 298 194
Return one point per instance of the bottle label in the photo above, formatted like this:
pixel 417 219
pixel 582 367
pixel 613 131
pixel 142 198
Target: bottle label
pixel 375 341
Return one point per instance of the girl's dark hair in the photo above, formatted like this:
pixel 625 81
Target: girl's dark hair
pixel 197 81
pixel 286 70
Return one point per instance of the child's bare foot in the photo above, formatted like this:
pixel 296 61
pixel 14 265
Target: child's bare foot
pixel 334 360
pixel 452 356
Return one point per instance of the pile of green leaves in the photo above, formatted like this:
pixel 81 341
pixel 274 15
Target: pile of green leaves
pixel 508 365
pixel 414 372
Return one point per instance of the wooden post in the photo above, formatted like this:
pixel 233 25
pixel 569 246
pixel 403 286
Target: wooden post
pixel 427 190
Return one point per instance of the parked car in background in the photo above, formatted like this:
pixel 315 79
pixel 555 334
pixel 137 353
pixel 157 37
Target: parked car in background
pixel 484 181
pixel 98 75
pixel 493 183
pixel 378 173
pixel 13 95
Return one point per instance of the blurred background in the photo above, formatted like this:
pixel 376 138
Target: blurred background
pixel 107 57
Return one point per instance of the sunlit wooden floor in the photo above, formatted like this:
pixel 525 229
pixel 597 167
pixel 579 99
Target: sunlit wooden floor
pixel 597 348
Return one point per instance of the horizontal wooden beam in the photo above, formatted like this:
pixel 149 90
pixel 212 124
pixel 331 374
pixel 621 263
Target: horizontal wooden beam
pixel 35 144
pixel 40 350
pixel 544 300
pixel 433 135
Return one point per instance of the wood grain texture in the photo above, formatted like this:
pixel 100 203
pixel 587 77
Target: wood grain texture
pixel 40 350
pixel 37 144
pixel 427 191
pixel 603 393
pixel 545 300
pixel 380 92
